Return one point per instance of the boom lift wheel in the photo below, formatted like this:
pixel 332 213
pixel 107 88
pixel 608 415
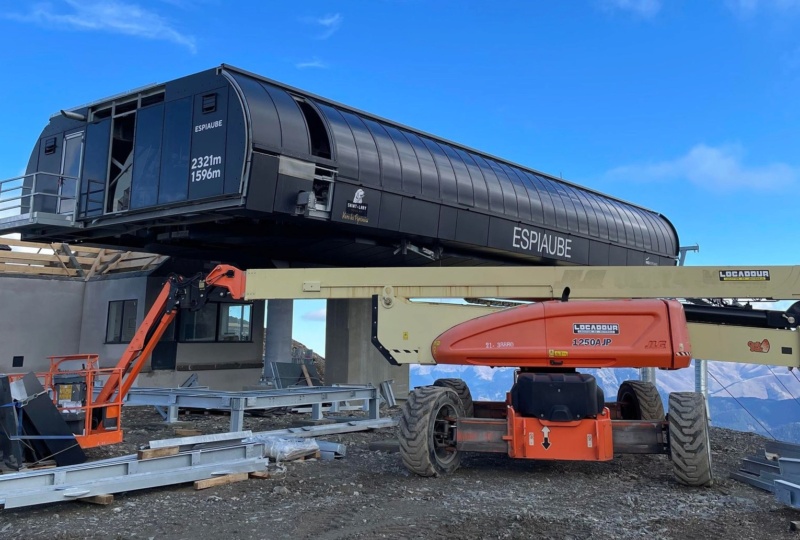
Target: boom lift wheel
pixel 427 431
pixel 463 392
pixel 640 400
pixel 689 445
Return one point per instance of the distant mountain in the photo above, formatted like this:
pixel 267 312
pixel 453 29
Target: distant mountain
pixel 743 397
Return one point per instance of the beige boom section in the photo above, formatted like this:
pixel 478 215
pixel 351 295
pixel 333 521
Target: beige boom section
pixel 73 261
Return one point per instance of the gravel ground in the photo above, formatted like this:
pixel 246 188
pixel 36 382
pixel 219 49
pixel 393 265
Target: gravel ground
pixel 369 494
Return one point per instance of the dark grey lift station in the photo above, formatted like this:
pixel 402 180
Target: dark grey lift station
pixel 228 165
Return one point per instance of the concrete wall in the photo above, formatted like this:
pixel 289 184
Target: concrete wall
pixel 95 314
pixel 39 317
pixel 350 356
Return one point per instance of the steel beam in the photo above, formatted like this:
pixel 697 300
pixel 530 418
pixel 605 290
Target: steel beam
pixel 126 474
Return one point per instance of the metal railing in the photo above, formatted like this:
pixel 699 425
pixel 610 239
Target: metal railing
pixel 38 193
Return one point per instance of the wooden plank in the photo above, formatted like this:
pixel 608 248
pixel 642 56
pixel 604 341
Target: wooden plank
pixel 94 266
pixel 304 369
pixel 34 270
pixel 113 264
pixel 151 453
pixel 263 475
pixel 132 264
pixel 40 258
pixel 102 500
pixel 221 480
pixel 183 432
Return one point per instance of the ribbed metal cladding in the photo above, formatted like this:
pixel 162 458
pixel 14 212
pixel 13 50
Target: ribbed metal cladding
pixel 377 153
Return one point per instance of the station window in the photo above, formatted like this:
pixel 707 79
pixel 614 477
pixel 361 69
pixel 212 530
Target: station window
pixel 217 323
pixel 121 323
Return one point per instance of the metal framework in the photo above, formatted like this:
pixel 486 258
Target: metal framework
pixel 239 402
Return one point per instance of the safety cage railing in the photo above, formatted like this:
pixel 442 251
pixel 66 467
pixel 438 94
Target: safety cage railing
pixel 32 195
pixel 70 384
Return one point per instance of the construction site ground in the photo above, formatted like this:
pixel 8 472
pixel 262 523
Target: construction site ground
pixel 369 494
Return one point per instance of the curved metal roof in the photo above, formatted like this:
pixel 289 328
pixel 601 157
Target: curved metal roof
pixel 385 155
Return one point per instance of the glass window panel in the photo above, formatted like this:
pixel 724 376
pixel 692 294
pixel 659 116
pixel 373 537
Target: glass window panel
pixel 199 325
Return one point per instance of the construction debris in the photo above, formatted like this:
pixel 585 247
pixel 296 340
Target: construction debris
pixel 777 471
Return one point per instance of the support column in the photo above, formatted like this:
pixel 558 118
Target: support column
pixel 647 374
pixel 701 381
pixel 278 346
pixel 350 356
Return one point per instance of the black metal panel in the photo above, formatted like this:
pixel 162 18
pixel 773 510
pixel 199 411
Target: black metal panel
pixel 207 159
pixel 343 142
pixel 391 174
pixel 41 418
pixel 369 166
pixel 480 193
pixel 95 169
pixel 294 132
pixel 428 172
pixel 472 228
pixel 174 182
pixel 410 173
pixel 598 254
pixel 562 222
pixel 286 192
pixel 614 232
pixel 147 156
pixel 235 146
pixel 264 122
pixel 572 213
pixel 419 217
pixel 548 217
pixel 492 184
pixel 593 229
pixel 520 191
pixel 583 217
pixel 447 222
pixel 463 179
pixel 507 188
pixel 533 197
pixel 448 191
pixel 263 181
pixel 389 218
pixel 617 256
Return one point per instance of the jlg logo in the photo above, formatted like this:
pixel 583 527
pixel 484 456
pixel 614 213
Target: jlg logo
pixel 656 345
pixel 759 346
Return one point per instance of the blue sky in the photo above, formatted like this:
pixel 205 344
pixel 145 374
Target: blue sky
pixel 688 108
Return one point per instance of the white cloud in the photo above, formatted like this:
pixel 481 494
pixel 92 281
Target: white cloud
pixel 327 24
pixel 315 63
pixel 316 315
pixel 108 16
pixel 713 168
pixel 484 372
pixel 647 9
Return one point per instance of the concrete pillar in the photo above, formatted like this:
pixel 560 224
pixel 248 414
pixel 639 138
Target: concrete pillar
pixel 350 356
pixel 278 346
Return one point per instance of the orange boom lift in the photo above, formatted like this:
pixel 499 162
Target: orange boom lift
pixel 95 420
